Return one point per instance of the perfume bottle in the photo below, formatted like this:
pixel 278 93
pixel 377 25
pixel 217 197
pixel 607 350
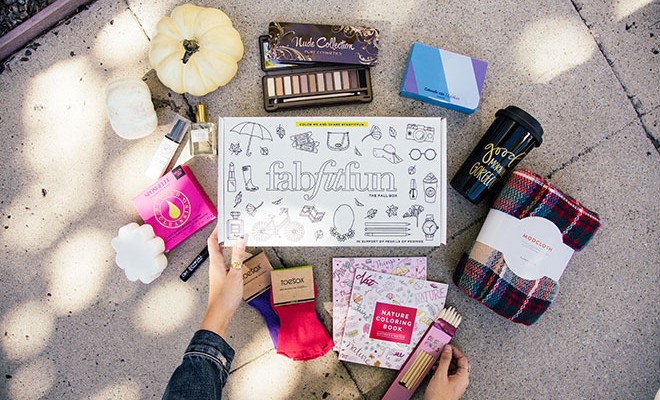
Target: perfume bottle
pixel 202 134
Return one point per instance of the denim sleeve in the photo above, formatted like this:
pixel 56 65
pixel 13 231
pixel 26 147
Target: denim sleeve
pixel 204 369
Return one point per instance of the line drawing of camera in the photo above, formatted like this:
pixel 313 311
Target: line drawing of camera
pixel 420 133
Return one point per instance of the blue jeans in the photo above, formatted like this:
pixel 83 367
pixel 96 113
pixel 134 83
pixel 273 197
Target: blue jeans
pixel 204 369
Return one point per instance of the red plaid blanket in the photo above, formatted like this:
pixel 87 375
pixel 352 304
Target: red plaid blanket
pixel 482 272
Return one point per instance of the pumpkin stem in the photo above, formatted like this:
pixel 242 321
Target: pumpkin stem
pixel 191 47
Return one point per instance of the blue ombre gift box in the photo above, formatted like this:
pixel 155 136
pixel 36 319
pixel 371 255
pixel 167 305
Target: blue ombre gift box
pixel 443 78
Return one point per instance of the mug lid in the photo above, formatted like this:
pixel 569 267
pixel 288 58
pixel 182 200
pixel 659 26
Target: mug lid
pixel 523 118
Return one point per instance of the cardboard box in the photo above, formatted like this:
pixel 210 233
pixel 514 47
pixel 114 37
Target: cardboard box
pixel 333 181
pixel 443 78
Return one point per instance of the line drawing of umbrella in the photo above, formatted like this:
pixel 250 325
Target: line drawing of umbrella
pixel 252 129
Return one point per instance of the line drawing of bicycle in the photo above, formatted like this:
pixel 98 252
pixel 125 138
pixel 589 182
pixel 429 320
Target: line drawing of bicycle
pixel 293 231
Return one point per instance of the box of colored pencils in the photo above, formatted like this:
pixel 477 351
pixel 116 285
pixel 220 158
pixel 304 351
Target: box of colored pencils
pixel 421 360
pixel 288 86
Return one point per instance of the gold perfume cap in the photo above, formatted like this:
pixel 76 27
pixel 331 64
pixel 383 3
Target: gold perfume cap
pixel 200 113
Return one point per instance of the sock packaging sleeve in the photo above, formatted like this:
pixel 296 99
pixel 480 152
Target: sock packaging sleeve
pixel 256 276
pixel 293 285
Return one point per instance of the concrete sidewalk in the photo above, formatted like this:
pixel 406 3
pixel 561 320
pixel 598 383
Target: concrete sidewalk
pixel 74 327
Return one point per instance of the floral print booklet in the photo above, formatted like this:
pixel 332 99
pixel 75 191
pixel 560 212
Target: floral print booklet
pixel 343 272
pixel 387 315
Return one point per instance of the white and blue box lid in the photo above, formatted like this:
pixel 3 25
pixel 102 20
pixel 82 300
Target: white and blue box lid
pixel 443 78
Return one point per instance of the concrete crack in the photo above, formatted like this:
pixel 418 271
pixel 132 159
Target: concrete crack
pixel 549 176
pixel 350 375
pixel 610 62
pixel 279 257
pixel 190 112
pixel 137 19
pixel 250 361
pixel 588 150
pixel 461 231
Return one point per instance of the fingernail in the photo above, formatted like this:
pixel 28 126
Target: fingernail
pixel 447 348
pixel 238 250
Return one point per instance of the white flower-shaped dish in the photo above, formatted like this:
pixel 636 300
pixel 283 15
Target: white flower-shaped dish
pixel 139 252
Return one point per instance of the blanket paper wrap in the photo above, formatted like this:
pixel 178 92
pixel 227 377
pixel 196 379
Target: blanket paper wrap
pixel 528 238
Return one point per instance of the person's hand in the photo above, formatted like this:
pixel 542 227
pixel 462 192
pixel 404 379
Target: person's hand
pixel 225 285
pixel 451 378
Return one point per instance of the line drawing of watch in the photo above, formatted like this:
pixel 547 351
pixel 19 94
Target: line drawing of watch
pixel 429 227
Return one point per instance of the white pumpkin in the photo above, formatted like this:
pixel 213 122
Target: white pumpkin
pixel 195 50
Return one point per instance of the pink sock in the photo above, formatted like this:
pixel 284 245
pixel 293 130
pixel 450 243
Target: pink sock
pixel 302 336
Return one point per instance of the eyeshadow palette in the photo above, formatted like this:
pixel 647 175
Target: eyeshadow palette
pixel 346 44
pixel 293 85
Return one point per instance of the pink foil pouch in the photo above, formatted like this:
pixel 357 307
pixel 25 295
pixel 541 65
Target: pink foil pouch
pixel 176 206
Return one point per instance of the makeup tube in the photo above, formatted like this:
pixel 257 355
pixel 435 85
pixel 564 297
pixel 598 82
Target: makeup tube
pixel 166 150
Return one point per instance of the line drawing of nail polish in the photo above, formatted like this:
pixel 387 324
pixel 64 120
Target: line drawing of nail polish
pixel 412 193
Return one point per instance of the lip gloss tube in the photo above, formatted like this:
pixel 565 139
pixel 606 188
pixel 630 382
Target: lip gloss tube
pixel 201 257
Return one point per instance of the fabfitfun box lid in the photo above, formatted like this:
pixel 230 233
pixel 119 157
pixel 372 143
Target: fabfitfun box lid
pixel 443 78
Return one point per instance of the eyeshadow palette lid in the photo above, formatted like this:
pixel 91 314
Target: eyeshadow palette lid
pixel 268 64
pixel 443 78
pixel 301 43
pixel 271 66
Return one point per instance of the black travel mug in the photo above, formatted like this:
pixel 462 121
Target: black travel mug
pixel 513 134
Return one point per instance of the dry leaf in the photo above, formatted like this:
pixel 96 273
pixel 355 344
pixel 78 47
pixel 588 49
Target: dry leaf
pixel 392 132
